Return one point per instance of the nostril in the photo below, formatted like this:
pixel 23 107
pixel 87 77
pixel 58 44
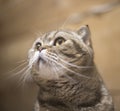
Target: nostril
pixel 41 48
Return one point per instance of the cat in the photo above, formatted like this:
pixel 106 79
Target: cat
pixel 62 65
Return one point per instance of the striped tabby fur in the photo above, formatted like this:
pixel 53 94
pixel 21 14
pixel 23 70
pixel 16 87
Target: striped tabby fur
pixel 62 66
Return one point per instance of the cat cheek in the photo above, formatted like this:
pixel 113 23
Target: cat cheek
pixel 68 42
pixel 51 50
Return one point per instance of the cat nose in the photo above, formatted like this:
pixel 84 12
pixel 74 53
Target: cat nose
pixel 41 48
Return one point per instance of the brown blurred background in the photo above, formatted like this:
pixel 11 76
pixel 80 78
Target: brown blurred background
pixel 22 21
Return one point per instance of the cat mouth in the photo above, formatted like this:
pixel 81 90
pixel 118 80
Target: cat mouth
pixel 41 60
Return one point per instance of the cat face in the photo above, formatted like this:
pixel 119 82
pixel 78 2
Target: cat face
pixel 59 52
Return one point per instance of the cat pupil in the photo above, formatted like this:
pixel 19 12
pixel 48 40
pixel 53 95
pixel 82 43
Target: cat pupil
pixel 59 41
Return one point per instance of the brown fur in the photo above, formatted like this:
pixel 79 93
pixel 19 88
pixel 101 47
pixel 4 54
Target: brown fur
pixel 71 92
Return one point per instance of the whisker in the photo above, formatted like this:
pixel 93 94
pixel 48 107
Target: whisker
pixel 73 65
pixel 70 64
pixel 34 58
pixel 22 61
pixel 66 21
pixel 56 70
pixel 69 77
pixel 11 71
pixel 38 33
pixel 25 76
pixel 19 72
pixel 78 74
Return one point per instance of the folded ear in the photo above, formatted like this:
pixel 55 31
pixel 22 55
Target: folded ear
pixel 85 34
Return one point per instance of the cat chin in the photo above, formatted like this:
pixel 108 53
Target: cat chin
pixel 44 70
pixel 41 62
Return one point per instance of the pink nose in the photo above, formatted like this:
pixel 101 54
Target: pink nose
pixel 41 48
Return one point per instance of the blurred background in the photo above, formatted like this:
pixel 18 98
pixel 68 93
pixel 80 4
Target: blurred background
pixel 22 21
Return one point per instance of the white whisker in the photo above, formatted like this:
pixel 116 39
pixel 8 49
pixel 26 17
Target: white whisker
pixel 19 72
pixel 17 67
pixel 67 63
pixel 38 33
pixel 25 76
pixel 78 74
pixel 58 73
pixel 66 21
pixel 22 61
pixel 34 58
pixel 73 65
pixel 56 70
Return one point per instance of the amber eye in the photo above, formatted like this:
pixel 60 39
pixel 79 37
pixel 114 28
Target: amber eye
pixel 38 45
pixel 59 41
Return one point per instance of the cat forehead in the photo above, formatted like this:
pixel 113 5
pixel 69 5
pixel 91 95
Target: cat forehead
pixel 52 35
pixel 45 36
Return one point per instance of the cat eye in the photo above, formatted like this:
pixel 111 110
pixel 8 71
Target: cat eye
pixel 59 41
pixel 38 45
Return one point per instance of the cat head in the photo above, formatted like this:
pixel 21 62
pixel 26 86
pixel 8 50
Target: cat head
pixel 59 52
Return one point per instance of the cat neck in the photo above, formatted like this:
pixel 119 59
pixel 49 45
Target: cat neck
pixel 66 92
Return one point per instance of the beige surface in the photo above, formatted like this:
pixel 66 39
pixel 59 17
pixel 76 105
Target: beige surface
pixel 21 21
